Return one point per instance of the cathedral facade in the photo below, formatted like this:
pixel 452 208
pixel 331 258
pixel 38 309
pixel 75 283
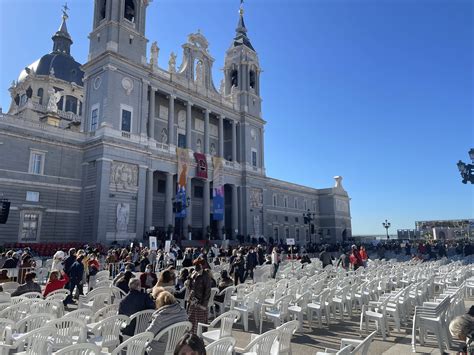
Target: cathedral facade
pixel 118 147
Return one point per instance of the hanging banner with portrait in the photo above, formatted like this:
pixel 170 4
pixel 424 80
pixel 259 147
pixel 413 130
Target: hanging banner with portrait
pixel 201 169
pixel 218 189
pixel 183 165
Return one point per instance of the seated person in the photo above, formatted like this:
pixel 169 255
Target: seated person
pixel 190 344
pixel 168 312
pixel 224 282
pixel 4 275
pixel 123 280
pixel 29 286
pixel 135 301
pixel 181 284
pixel 55 283
pixel 148 279
pixel 166 279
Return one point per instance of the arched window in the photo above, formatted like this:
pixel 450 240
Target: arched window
pixel 234 78
pixel 274 200
pixel 129 10
pixel 252 79
pixel 40 95
pixel 29 92
pixel 285 201
pixel 102 7
pixel 71 104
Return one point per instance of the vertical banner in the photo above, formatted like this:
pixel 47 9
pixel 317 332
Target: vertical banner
pixel 153 243
pixel 201 169
pixel 183 164
pixel 218 189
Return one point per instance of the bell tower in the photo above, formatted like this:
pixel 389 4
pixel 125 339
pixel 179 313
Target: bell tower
pixel 119 26
pixel 242 71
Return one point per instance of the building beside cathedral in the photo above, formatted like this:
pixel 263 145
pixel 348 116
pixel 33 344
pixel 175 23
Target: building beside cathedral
pixel 103 151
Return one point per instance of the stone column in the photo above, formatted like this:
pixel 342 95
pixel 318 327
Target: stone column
pixel 234 141
pixel 206 214
pixel 189 107
pixel 262 158
pixel 171 134
pixel 235 209
pixel 141 201
pixel 189 211
pixel 169 201
pixel 149 200
pixel 102 198
pixel 143 114
pixel 206 131
pixel 221 136
pixel 151 114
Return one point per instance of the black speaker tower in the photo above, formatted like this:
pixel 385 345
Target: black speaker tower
pixel 4 210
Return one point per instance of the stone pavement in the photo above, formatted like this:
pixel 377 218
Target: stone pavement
pixel 309 342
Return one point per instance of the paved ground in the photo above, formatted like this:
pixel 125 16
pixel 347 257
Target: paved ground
pixel 309 342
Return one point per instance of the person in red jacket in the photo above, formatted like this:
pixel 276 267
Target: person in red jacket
pixel 55 283
pixel 355 258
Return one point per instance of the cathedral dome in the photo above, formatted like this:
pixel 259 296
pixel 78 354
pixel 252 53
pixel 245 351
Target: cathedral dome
pixel 59 62
pixel 61 65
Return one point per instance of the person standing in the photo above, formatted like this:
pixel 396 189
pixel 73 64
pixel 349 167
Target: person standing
pixel 200 292
pixel 275 261
pixel 76 274
pixel 251 263
pixel 325 257
pixel 355 258
pixel 364 256
pixel 238 268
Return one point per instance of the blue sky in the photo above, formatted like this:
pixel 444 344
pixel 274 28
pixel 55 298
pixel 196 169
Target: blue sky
pixel 380 92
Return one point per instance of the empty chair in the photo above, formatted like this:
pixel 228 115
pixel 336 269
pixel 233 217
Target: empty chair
pixel 142 320
pixel 60 294
pixel 248 306
pixel 35 342
pixel 16 312
pixel 282 345
pixel 32 295
pixel 47 306
pixel 210 305
pixel 84 315
pixel 224 346
pixel 278 312
pixel 226 321
pixel 261 345
pixel 30 323
pixel 105 312
pixel 352 346
pixel 165 341
pixel 10 286
pixel 135 345
pixel 107 331
pixel 80 349
pixel 300 307
pixel 69 331
pixel 319 306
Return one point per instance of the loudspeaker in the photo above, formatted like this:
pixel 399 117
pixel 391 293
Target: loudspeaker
pixel 4 211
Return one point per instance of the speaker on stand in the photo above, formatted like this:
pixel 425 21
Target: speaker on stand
pixel 4 210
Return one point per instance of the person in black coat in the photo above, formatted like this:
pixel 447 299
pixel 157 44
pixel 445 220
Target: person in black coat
pixel 135 301
pixel 71 259
pixel 76 274
pixel 261 255
pixel 250 263
pixel 122 282
pixel 12 261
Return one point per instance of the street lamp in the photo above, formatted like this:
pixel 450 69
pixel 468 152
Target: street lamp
pixel 467 170
pixel 386 225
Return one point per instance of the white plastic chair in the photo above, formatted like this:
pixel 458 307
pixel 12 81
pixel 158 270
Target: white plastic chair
pixel 248 306
pixel 375 311
pixel 35 342
pixel 142 320
pixel 10 286
pixel 16 312
pixel 32 295
pixel 261 345
pixel 210 305
pixel 226 321
pixel 84 315
pixel 107 331
pixel 173 334
pixel 227 293
pixel 135 345
pixel 47 306
pixel 352 346
pixel 69 331
pixel 105 312
pixel 282 345
pixel 80 349
pixel 319 306
pixel 300 307
pixel 30 323
pixel 224 346
pixel 60 294
pixel 278 312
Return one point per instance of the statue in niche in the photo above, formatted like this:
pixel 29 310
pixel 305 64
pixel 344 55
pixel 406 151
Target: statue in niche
pixel 172 63
pixel 154 55
pixel 123 214
pixel 164 136
pixel 198 146
pixel 213 149
pixel 54 98
pixel 199 73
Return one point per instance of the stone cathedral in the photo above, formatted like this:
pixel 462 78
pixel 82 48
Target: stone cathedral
pixel 118 147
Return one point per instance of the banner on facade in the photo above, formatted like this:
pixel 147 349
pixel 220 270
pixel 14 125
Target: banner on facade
pixel 218 189
pixel 183 165
pixel 153 243
pixel 201 169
